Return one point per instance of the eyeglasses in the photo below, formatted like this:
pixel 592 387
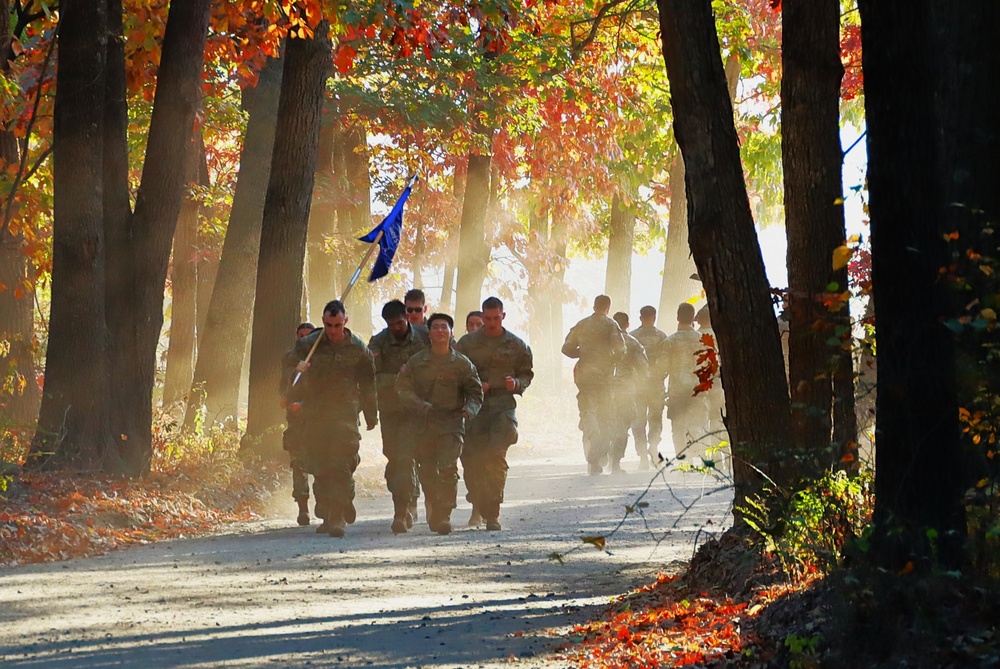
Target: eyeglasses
pixel 414 310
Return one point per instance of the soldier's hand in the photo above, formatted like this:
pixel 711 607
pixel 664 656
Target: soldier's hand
pixel 302 366
pixel 510 383
pixel 486 387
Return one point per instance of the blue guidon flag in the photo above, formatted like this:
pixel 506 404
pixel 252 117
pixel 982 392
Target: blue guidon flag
pixel 391 228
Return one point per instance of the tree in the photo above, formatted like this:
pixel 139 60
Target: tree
pixel 935 198
pixel 618 282
pixel 724 243
pixel 284 230
pixel 814 224
pixel 222 349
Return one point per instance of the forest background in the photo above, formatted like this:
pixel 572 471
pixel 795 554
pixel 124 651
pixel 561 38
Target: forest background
pixel 175 183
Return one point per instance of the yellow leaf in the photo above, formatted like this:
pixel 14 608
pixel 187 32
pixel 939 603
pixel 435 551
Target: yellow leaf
pixel 986 269
pixel 841 255
pixel 982 483
pixel 988 314
pixel 596 542
pixel 839 200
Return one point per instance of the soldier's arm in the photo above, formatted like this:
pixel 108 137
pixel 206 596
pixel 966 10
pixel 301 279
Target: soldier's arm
pixel 376 353
pixel 406 390
pixel 472 388
pixel 524 371
pixel 366 384
pixel 617 342
pixel 571 347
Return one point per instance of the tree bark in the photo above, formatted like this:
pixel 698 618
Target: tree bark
pixel 183 288
pixel 223 346
pixel 618 279
pixel 355 219
pixel 73 425
pixel 157 207
pixel 814 226
pixel 473 250
pixel 19 396
pixel 678 265
pixel 724 244
pixel 321 263
pixel 283 232
pixel 931 173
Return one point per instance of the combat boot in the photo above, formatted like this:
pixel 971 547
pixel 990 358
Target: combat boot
pixel 350 513
pixel 476 519
pixel 337 525
pixel 616 467
pixel 303 518
pixel 493 525
pixel 401 521
pixel 594 469
pixel 439 522
pixel 644 463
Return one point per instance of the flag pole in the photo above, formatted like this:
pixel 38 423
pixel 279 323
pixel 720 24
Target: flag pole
pixel 354 279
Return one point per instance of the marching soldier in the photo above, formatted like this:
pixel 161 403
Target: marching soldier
pixel 599 344
pixel 441 390
pixel 630 373
pixel 649 397
pixel 678 360
pixel 504 364
pixel 391 348
pixel 291 440
pixel 336 386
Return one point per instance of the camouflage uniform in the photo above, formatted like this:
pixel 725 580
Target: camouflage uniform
pixel 599 344
pixel 677 359
pixel 291 439
pixel 339 384
pixel 397 445
pixel 436 390
pixel 494 428
pixel 629 374
pixel 649 398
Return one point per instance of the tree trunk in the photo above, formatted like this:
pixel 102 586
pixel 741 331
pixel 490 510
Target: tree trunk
pixel 73 419
pixel 321 262
pixel 359 219
pixel 157 207
pixel 931 173
pixel 678 266
pixel 283 232
pixel 223 347
pixel 473 249
pixel 814 224
pixel 724 244
pixel 559 244
pixel 184 286
pixel 618 280
pixel 19 397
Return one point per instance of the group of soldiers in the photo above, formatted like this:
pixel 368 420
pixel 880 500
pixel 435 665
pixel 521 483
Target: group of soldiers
pixel 620 379
pixel 436 400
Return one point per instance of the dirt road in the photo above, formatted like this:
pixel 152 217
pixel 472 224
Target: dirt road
pixel 270 593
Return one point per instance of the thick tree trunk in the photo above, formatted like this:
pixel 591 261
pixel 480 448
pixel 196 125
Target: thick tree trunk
pixel 618 279
pixel 678 265
pixel 321 263
pixel 931 173
pixel 223 347
pixel 814 224
pixel 473 249
pixel 73 420
pixel 724 243
pixel 158 204
pixel 19 397
pixel 183 288
pixel 283 232
pixel 357 216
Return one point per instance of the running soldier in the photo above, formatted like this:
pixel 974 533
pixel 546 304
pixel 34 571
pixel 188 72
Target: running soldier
pixel 291 439
pixel 649 398
pixel 630 374
pixel 336 386
pixel 677 358
pixel 599 344
pixel 391 348
pixel 441 390
pixel 504 364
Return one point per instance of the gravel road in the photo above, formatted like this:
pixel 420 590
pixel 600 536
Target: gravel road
pixel 270 593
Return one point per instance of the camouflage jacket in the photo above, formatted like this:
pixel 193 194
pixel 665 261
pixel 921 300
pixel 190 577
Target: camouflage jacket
pixel 677 359
pixel 437 389
pixel 339 384
pixel 599 344
pixel 390 355
pixel 632 372
pixel 495 359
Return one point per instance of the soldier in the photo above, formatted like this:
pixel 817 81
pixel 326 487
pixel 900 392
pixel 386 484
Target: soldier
pixel 677 358
pixel 599 344
pixel 441 390
pixel 391 348
pixel 416 307
pixel 473 321
pixel 649 398
pixel 291 440
pixel 504 364
pixel 630 374
pixel 336 386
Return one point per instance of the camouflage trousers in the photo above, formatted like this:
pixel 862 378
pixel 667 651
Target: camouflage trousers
pixel 401 469
pixel 292 441
pixel 625 411
pixel 332 461
pixel 688 417
pixel 484 459
pixel 437 456
pixel 649 413
pixel 597 419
